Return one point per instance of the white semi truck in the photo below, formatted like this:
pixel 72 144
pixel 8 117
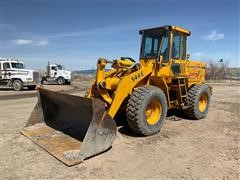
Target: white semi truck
pixel 14 74
pixel 56 73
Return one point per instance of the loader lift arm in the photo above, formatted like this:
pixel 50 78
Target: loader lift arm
pixel 124 85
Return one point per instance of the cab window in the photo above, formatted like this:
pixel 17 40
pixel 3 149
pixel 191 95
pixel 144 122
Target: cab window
pixel 151 42
pixel 164 48
pixel 54 68
pixel 59 67
pixel 6 65
pixel 17 65
pixel 176 46
pixel 151 47
pixel 184 47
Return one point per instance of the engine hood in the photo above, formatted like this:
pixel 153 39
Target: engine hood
pixel 24 70
pixel 64 71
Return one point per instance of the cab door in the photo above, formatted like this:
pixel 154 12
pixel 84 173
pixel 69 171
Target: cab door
pixel 53 71
pixel 6 70
pixel 179 53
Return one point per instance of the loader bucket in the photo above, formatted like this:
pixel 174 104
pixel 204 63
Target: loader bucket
pixel 71 128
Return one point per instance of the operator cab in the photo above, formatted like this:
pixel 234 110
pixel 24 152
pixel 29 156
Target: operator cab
pixel 167 42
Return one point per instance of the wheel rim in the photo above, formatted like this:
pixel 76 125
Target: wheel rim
pixel 17 85
pixel 153 112
pixel 203 102
pixel 60 81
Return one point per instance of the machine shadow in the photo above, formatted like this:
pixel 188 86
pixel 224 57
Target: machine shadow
pixel 172 115
pixel 123 127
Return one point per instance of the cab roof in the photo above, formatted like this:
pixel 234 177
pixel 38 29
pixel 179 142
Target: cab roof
pixel 166 27
pixel 9 60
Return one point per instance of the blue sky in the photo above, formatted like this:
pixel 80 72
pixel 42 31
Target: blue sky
pixel 77 33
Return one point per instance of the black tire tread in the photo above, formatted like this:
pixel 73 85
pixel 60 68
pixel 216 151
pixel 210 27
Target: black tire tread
pixel 192 111
pixel 133 108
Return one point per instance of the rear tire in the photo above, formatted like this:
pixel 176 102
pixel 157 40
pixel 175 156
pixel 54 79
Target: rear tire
pixel 199 100
pixel 43 79
pixel 146 110
pixel 68 82
pixel 17 85
pixel 60 81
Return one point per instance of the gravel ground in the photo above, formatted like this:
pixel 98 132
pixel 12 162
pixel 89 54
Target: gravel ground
pixel 184 149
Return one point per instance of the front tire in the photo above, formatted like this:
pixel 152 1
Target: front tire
pixel 17 85
pixel 146 110
pixel 43 79
pixel 60 81
pixel 199 100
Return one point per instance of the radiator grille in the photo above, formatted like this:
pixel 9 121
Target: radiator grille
pixel 35 76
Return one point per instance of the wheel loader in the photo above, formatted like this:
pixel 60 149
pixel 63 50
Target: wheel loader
pixel 74 128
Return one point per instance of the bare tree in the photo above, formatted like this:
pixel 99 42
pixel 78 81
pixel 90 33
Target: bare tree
pixel 216 70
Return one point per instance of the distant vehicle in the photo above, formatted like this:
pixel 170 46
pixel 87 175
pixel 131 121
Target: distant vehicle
pixel 13 74
pixel 56 73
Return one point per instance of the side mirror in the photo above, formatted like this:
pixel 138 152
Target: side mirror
pixel 188 56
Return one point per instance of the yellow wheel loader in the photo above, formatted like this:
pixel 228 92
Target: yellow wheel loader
pixel 74 128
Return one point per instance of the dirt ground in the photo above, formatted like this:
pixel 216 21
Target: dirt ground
pixel 184 149
pixel 8 93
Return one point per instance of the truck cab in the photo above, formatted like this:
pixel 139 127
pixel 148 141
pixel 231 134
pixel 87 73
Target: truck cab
pixel 57 73
pixel 14 74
